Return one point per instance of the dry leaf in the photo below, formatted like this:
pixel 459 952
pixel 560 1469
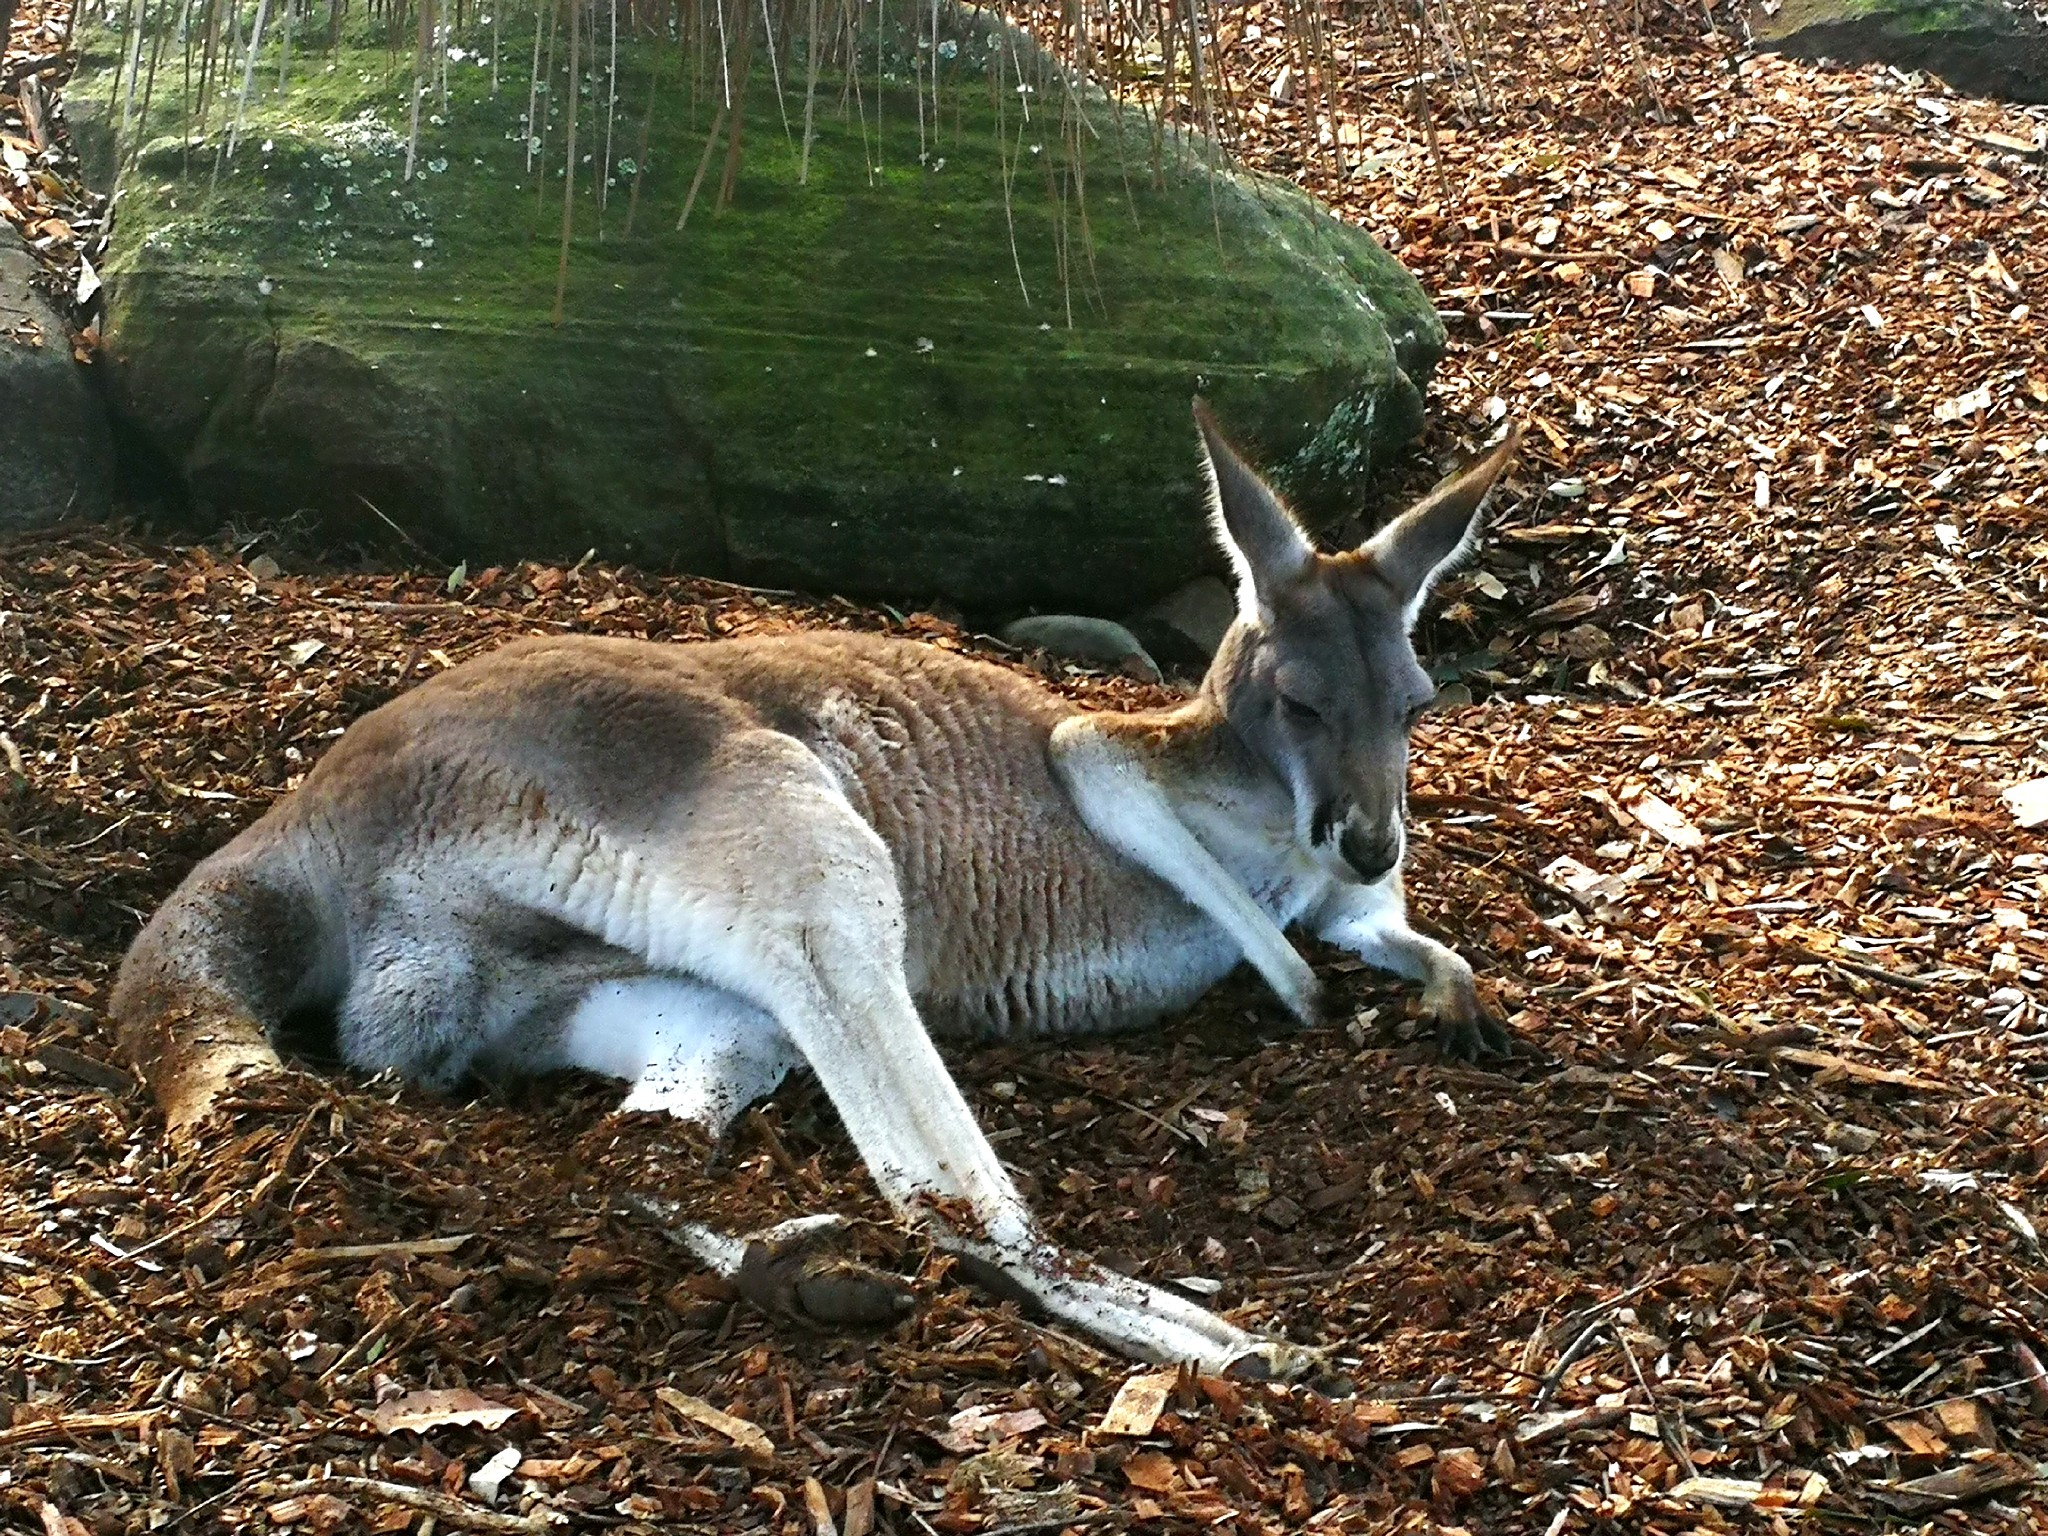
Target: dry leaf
pixel 753 1443
pixel 1137 1405
pixel 1970 403
pixel 1152 1471
pixel 429 1410
pixel 2028 803
pixel 1668 822
pixel 971 1429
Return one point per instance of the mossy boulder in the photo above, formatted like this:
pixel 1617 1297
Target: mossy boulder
pixel 953 358
pixel 1984 47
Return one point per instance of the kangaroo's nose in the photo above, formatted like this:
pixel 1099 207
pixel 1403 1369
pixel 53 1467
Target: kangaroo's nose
pixel 1373 853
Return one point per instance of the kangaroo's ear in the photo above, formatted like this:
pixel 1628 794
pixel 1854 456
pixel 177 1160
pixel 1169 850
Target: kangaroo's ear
pixel 1266 545
pixel 1417 547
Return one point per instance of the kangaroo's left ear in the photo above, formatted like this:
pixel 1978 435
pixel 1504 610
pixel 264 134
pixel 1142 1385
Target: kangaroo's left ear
pixel 1417 547
pixel 1267 547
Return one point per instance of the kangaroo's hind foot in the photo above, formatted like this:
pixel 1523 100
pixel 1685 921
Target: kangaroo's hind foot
pixel 791 1269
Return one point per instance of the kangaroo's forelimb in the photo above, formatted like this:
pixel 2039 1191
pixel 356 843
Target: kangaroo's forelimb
pixel 1117 796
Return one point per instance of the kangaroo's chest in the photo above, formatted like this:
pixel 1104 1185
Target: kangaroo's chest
pixel 1250 830
pixel 1019 920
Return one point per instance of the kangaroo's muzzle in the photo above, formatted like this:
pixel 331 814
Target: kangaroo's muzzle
pixel 1373 852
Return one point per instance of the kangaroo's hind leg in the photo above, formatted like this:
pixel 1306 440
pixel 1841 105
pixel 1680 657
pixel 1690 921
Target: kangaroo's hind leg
pixel 768 884
pixel 703 1054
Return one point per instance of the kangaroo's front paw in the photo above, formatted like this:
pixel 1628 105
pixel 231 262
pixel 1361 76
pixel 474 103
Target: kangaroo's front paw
pixel 1465 1030
pixel 1473 1039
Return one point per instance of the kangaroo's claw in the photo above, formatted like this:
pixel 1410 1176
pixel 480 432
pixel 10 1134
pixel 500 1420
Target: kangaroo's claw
pixel 1473 1037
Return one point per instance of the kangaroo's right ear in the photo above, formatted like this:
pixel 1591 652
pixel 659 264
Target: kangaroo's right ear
pixel 1266 545
pixel 1417 547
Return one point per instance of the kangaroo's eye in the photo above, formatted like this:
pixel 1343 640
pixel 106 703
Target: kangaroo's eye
pixel 1295 710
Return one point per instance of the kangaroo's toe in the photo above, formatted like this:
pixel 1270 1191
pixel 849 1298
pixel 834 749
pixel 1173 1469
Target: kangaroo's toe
pixel 1278 1360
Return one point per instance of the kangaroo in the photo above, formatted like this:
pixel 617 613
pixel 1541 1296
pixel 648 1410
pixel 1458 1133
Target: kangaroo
pixel 696 867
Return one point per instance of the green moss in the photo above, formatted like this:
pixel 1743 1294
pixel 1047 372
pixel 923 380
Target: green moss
pixel 883 380
pixel 1905 16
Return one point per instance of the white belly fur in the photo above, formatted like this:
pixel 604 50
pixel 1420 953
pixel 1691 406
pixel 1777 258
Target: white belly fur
pixel 689 1049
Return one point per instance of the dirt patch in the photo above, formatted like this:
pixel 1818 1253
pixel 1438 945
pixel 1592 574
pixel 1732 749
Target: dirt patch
pixel 1764 1218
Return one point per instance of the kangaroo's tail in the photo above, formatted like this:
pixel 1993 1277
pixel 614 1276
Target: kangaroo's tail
pixel 214 974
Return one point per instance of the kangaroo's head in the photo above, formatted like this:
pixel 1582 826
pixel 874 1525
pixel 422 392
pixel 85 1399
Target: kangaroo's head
pixel 1317 675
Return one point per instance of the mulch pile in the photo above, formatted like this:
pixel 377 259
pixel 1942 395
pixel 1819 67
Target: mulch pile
pixel 1758 645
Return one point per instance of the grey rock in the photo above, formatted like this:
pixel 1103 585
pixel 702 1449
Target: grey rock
pixel 1174 651
pixel 54 439
pixel 1202 610
pixel 1980 47
pixel 1095 642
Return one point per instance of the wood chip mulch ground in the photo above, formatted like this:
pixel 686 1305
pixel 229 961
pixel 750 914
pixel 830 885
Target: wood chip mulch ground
pixel 1737 833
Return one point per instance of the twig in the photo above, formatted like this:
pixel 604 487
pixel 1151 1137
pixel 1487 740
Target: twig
pixel 77 1424
pixel 1671 1438
pixel 1528 877
pixel 2037 1378
pixel 369 1340
pixel 703 165
pixel 1912 1338
pixel 410 542
pixel 1082 1085
pixel 1961 1397
pixel 206 1506
pixel 213 1210
pixel 347 1253
pixel 1554 1377
pixel 1863 968
pixel 559 313
pixel 1602 1308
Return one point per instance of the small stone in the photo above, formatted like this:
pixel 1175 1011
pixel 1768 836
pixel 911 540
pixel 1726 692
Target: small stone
pixel 1280 1212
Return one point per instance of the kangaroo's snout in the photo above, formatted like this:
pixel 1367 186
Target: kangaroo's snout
pixel 1373 852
